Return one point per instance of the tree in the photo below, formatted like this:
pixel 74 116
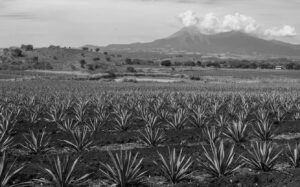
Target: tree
pixel 27 47
pixel 82 63
pixel 166 63
pixel 16 52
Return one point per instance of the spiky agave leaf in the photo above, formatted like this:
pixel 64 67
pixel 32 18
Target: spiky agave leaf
pixel 37 143
pixel 126 169
pixel 67 125
pixel 175 167
pixel 236 132
pixel 262 156
pixel 61 172
pixel 293 154
pixel 211 134
pixel 218 162
pixel 6 142
pixel 8 172
pixel 81 140
pixel 152 137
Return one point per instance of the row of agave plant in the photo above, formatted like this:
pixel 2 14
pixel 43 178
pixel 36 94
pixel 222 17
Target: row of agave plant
pixel 126 168
pixel 177 111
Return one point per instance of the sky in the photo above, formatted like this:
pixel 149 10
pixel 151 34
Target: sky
pixel 101 22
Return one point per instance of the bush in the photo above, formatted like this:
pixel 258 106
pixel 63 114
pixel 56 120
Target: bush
pixel 166 63
pixel 96 59
pixel 130 69
pixel 189 63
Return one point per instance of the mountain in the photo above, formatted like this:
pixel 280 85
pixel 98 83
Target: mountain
pixel 190 39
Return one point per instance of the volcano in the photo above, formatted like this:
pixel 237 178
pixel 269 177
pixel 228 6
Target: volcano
pixel 190 39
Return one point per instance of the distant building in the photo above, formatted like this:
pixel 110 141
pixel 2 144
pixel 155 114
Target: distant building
pixel 278 67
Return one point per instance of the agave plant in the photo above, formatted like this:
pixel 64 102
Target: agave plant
pixel 61 172
pixel 278 111
pixel 126 170
pixel 198 117
pixel 34 113
pixel 57 113
pixel 80 110
pixel 293 154
pixel 222 121
pixel 102 114
pixel 81 140
pixel 67 125
pixel 178 120
pixel 152 137
pixel 263 130
pixel 151 120
pixel 94 125
pixel 37 143
pixel 122 119
pixel 236 132
pixel 7 122
pixel 218 162
pixel 175 167
pixel 8 172
pixel 262 156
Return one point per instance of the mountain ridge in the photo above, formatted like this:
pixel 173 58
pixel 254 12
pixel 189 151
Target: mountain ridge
pixel 190 39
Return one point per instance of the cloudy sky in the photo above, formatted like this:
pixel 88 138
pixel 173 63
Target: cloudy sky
pixel 101 22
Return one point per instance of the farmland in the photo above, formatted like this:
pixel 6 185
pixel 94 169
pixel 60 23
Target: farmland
pixel 229 134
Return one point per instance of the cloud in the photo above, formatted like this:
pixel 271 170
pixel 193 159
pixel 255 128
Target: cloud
pixel 211 24
pixel 188 18
pixel 286 30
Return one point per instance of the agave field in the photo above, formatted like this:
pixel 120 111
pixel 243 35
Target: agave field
pixel 93 135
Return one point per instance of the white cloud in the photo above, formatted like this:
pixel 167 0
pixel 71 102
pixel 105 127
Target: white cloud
pixel 211 23
pixel 286 30
pixel 188 18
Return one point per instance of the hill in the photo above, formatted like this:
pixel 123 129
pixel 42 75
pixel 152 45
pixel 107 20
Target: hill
pixel 190 39
pixel 57 58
